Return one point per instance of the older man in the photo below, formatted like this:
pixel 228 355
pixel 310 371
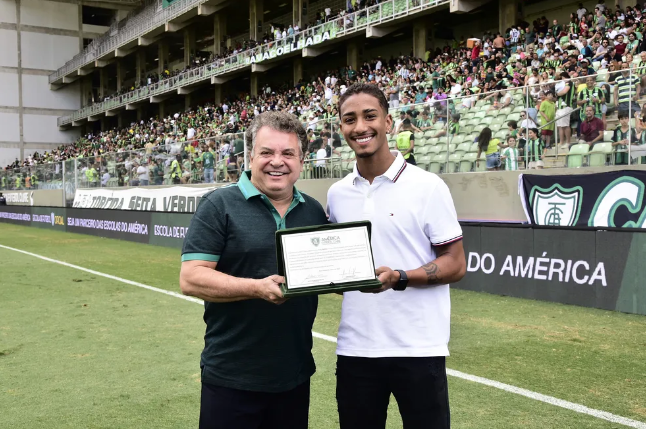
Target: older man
pixel 257 360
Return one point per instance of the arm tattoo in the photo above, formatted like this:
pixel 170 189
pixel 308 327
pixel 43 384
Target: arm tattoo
pixel 432 272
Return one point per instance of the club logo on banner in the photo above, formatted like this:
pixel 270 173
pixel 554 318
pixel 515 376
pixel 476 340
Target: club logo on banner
pixel 613 199
pixel 556 206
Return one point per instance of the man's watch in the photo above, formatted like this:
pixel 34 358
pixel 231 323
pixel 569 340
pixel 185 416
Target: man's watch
pixel 402 282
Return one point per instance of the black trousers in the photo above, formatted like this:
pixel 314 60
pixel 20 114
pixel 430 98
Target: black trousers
pixel 419 385
pixel 225 408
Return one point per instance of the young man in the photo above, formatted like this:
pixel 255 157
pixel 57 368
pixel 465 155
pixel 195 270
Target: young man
pixel 534 150
pixel 621 139
pixel 257 359
pixel 395 339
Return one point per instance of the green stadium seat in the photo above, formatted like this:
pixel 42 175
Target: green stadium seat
pixel 418 135
pixel 437 163
pixel 513 117
pixel 422 150
pixel 499 120
pixel 598 156
pixel 467 162
pixel 479 128
pixel 467 129
pixel 463 148
pixel 439 125
pixel 576 154
pixel 424 161
pixel 486 121
pixel 452 147
pixel 433 141
pixel 473 147
pixel 452 166
pixel 457 139
pixel 434 149
pixel 420 142
pixel 506 110
pixel 474 121
pixel 428 134
pixel 480 114
pixel 607 136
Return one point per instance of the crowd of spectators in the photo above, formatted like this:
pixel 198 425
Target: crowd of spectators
pixel 546 55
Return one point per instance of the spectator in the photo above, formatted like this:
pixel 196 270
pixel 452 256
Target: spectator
pixel 591 128
pixel 621 138
pixel 105 179
pixel 3 200
pixel 489 146
pixel 510 155
pixel 534 150
pixel 547 111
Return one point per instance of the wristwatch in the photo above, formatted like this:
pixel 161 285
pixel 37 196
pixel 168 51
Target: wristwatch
pixel 402 282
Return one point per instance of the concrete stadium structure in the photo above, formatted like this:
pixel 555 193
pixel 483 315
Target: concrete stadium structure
pixel 36 38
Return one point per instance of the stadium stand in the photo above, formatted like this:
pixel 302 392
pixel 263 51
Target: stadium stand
pixel 500 81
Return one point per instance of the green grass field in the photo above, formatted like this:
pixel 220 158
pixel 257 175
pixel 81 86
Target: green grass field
pixel 79 350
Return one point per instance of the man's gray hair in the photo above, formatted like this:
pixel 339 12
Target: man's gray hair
pixel 279 121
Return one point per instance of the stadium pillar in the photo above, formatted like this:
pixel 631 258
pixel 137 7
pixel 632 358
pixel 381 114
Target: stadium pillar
pixel 217 99
pixel 162 56
pixel 162 110
pixel 103 82
pixel 219 31
pixel 119 64
pixel 508 13
pixel 189 44
pixel 120 120
pixel 353 54
pixel 298 69
pixel 419 39
pixel 187 102
pixel 256 14
pixel 297 12
pixel 254 84
pixel 140 113
pixel 86 91
pixel 140 64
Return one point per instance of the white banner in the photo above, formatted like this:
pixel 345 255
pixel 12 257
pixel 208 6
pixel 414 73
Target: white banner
pixel 179 199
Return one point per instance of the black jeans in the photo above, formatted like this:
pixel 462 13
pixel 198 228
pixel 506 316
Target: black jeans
pixel 225 408
pixel 419 385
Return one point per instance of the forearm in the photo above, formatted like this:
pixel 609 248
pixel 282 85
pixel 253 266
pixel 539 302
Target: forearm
pixel 447 268
pixel 214 286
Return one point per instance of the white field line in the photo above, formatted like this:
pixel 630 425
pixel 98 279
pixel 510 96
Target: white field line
pixel 603 415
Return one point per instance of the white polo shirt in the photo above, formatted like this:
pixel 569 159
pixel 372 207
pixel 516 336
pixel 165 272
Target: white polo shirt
pixel 411 211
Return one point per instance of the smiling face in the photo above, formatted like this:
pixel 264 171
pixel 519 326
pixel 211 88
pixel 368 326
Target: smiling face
pixel 276 162
pixel 364 124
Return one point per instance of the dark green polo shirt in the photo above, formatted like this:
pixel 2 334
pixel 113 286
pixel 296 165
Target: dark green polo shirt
pixel 252 344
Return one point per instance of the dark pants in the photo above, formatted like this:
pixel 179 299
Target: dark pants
pixel 225 408
pixel 411 159
pixel 419 385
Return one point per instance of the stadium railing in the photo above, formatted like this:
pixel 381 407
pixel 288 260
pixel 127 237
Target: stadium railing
pixel 347 24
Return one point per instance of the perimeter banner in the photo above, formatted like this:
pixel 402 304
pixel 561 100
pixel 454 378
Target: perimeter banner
pixel 613 199
pixel 176 199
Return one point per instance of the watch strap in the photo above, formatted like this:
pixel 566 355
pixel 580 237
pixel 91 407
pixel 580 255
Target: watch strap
pixel 402 282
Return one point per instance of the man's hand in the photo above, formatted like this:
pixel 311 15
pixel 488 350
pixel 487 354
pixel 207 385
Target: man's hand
pixel 387 277
pixel 269 289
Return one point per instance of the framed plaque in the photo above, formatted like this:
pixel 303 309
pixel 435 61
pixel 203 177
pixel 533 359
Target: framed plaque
pixel 326 258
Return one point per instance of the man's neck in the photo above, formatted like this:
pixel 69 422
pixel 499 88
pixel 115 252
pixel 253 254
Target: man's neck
pixel 375 165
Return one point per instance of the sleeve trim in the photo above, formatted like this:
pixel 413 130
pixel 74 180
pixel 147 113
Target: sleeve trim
pixel 200 257
pixel 449 241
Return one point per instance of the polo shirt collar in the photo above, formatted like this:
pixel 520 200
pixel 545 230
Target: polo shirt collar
pixel 249 190
pixel 394 171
